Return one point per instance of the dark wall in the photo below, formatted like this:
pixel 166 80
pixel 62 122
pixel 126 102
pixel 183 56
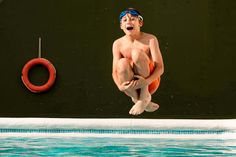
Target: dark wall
pixel 197 40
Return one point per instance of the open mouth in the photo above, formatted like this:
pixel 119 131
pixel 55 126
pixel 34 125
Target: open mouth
pixel 129 28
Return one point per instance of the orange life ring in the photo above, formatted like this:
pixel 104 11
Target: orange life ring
pixel 52 75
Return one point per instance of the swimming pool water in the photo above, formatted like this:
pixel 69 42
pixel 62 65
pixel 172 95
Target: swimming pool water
pixel 106 146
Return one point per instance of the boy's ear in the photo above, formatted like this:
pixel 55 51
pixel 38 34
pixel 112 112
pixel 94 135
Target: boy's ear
pixel 141 23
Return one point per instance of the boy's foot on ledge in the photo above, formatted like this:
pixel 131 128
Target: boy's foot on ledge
pixel 151 107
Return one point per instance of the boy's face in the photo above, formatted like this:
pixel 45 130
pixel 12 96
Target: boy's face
pixel 130 24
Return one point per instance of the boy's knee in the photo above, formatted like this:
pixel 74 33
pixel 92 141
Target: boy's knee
pixel 123 64
pixel 139 57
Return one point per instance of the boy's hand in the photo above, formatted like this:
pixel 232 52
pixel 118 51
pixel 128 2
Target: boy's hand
pixel 133 84
pixel 128 85
pixel 141 82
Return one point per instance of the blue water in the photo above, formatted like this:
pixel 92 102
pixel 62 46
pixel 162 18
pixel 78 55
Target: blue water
pixel 76 146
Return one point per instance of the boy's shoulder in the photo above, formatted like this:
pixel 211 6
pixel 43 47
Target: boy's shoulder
pixel 149 36
pixel 118 41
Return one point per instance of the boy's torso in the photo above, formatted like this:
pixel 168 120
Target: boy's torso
pixel 140 45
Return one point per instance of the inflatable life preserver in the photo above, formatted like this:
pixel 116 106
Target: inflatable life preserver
pixel 30 64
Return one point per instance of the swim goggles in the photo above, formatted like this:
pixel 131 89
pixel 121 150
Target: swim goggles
pixel 131 12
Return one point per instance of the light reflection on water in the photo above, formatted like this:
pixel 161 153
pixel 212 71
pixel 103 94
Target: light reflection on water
pixel 76 146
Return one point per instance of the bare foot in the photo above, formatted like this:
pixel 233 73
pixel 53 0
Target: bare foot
pixel 138 108
pixel 151 107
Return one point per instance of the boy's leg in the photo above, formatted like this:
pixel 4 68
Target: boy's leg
pixel 125 73
pixel 141 67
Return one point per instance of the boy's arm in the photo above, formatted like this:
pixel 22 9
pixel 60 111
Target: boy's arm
pixel 116 57
pixel 157 60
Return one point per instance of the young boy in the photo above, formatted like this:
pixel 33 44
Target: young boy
pixel 137 62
